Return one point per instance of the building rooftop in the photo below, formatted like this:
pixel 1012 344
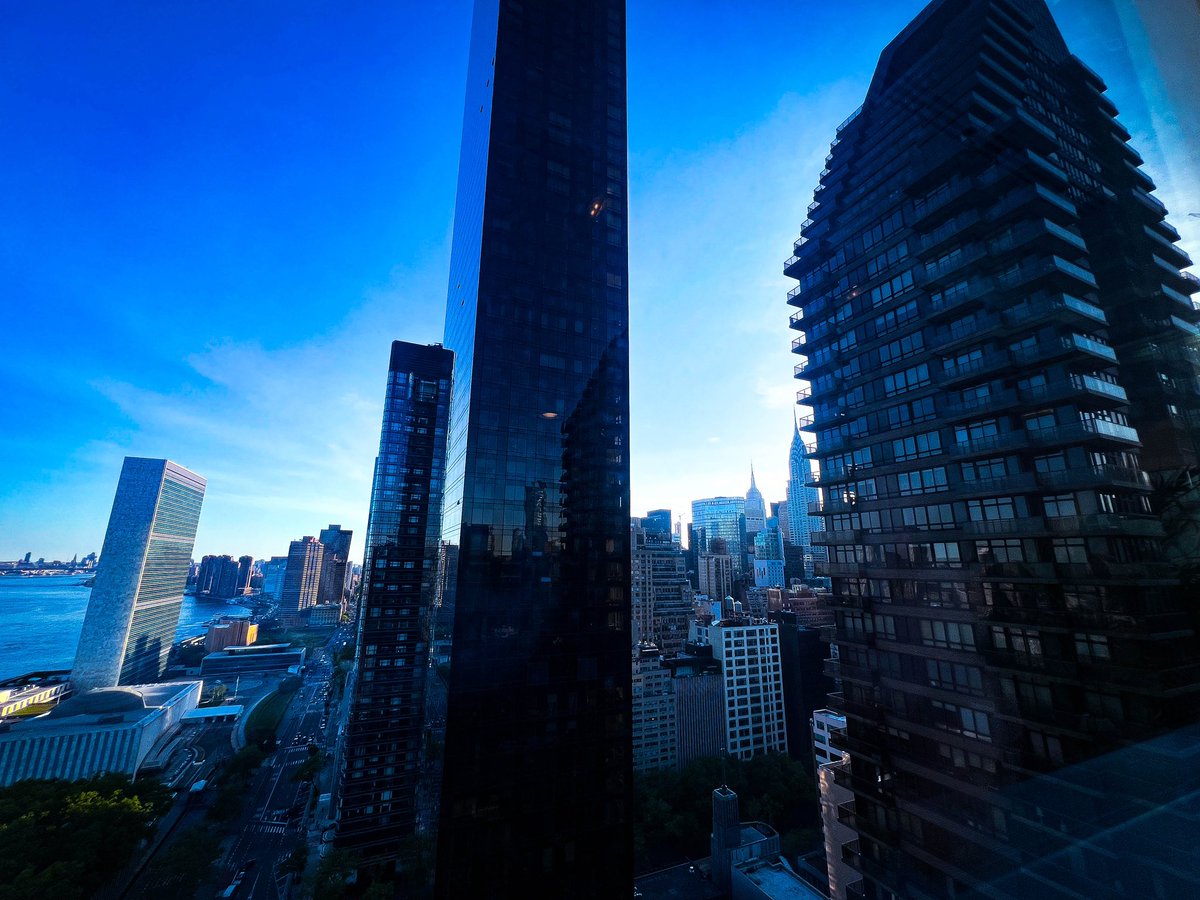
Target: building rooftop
pixel 106 706
pixel 253 650
pixel 777 881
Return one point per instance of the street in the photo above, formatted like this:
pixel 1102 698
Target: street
pixel 275 817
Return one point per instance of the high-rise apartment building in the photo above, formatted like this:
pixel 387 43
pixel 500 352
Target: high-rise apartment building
pixel 662 594
pixel 245 572
pixel 382 758
pixel 655 734
pixel 301 579
pixel 537 480
pixel 999 346
pixel 715 575
pixel 134 608
pixel 273 571
pixel 748 651
pixel 218 577
pixel 723 518
pixel 335 567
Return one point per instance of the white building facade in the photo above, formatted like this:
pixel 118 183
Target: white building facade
pixel 748 650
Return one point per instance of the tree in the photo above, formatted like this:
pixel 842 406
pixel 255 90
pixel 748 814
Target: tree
pixel 65 839
pixel 673 810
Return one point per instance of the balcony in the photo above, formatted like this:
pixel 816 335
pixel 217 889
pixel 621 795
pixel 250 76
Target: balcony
pixel 1106 523
pixel 1100 387
pixel 1053 307
pixel 1006 441
pixel 942 200
pixel 965 406
pixel 1019 483
pixel 971 367
pixel 1095 347
pixel 1101 428
pixel 1117 476
pixel 942 304
pixel 831 569
pixel 1042 351
pixel 947 336
pixel 1039 570
pixel 1004 526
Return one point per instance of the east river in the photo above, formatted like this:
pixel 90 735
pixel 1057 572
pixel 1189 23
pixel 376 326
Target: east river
pixel 40 620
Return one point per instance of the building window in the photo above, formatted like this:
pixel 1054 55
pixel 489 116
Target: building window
pixel 1090 647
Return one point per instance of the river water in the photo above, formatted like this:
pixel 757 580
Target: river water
pixel 41 617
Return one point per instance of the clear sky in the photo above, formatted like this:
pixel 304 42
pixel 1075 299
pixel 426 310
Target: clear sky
pixel 215 217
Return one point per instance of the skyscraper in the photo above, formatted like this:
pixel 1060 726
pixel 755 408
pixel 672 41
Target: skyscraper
pixel 802 497
pixel 723 518
pixel 134 608
pixel 658 520
pixel 245 572
pixel 756 509
pixel 335 568
pixel 662 594
pixel 383 753
pixel 301 579
pixel 537 482
pixel 999 345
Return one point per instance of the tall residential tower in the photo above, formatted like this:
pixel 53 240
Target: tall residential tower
pixel 383 756
pixel 538 765
pixel 134 608
pixel 1000 346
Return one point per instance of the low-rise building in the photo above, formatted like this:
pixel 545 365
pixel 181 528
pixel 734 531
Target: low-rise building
pixel 230 632
pixel 101 730
pixel 260 658
pixel 323 615
pixel 33 689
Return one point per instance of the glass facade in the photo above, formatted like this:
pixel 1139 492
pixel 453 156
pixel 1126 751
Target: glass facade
pixel 722 518
pixel 1000 352
pixel 379 795
pixel 134 608
pixel 537 764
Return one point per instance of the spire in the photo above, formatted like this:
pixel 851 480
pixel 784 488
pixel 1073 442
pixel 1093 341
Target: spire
pixel 796 420
pixel 752 485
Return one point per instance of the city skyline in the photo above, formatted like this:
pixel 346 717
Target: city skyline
pixel 173 175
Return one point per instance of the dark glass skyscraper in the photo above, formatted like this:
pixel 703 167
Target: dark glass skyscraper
pixel 383 753
pixel 538 764
pixel 1000 348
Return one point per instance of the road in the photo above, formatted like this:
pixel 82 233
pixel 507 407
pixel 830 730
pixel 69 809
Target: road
pixel 275 817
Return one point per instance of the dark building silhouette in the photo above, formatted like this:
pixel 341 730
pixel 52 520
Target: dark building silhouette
pixel 805 682
pixel 335 571
pixel 383 753
pixel 999 347
pixel 218 577
pixel 245 572
pixel 538 743
pixel 658 520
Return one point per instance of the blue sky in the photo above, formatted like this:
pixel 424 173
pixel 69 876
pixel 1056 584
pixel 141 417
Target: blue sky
pixel 215 217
